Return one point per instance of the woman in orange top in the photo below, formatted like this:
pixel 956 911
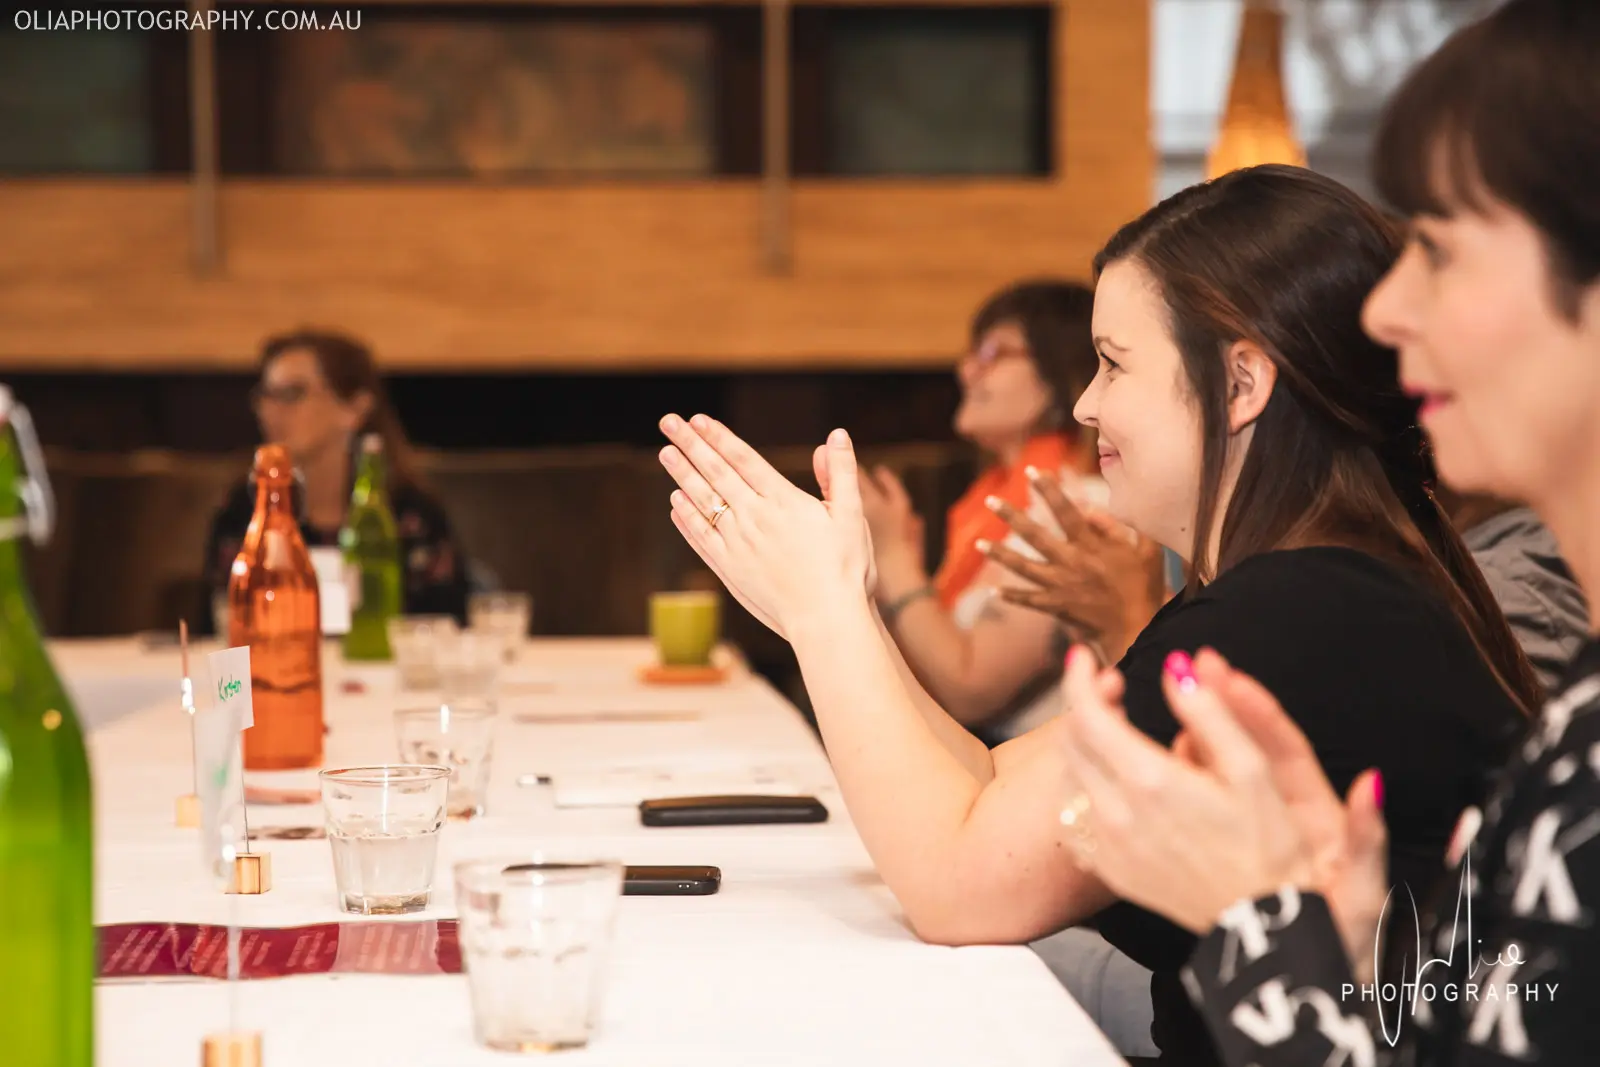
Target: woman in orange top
pixel 1031 356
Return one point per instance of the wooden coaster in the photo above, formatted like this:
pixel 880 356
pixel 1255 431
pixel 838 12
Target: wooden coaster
pixel 658 674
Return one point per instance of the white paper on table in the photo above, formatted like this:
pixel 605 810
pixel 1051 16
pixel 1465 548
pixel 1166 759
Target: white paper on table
pixel 337 590
pixel 222 705
pixel 626 787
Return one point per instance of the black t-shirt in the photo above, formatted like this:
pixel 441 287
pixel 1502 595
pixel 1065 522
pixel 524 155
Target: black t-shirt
pixel 1376 670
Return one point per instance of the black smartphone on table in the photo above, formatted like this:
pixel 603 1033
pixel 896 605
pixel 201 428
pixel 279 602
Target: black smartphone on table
pixel 671 881
pixel 741 810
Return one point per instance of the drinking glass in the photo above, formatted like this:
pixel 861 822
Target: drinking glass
pixel 414 641
pixel 383 825
pixel 505 615
pixel 468 664
pixel 534 940
pixel 458 736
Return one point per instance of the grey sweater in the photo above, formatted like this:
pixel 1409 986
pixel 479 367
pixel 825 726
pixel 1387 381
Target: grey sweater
pixel 1523 566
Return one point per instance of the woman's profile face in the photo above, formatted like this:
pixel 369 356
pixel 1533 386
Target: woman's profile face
pixel 298 410
pixel 1003 399
pixel 1510 387
pixel 1140 403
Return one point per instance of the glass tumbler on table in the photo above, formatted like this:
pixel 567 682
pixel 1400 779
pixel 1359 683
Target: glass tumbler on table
pixel 457 735
pixel 383 825
pixel 414 640
pixel 504 616
pixel 534 940
pixel 469 665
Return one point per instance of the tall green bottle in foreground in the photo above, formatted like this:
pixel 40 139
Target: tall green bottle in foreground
pixel 47 948
pixel 371 557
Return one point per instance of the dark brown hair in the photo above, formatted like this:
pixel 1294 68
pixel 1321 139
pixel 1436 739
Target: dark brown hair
pixel 1283 258
pixel 349 369
pixel 1054 317
pixel 1509 109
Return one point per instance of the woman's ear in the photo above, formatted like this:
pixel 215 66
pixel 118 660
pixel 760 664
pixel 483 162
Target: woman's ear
pixel 1251 378
pixel 358 409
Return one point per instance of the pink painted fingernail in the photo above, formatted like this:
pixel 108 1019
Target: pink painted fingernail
pixel 1377 789
pixel 1181 669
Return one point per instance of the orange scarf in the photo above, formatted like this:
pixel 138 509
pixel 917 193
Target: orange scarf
pixel 970 520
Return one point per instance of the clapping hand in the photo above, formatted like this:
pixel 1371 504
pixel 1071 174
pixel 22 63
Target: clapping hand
pixel 1099 578
pixel 1238 808
pixel 784 554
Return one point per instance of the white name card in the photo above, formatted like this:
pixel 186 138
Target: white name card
pixel 223 710
pixel 333 590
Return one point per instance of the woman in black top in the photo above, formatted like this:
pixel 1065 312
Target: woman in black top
pixel 1243 420
pixel 1493 148
pixel 318 394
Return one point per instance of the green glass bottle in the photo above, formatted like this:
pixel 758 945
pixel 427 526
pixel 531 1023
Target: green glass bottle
pixel 371 557
pixel 47 946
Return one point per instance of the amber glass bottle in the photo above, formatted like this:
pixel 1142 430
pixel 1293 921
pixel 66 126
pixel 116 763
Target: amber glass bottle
pixel 273 607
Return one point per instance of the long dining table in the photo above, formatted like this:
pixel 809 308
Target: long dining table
pixel 802 957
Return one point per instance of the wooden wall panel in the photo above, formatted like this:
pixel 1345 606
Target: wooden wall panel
pixel 447 275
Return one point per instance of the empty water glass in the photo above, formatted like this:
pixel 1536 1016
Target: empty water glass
pixel 414 639
pixel 534 940
pixel 383 825
pixel 504 615
pixel 458 736
pixel 468 664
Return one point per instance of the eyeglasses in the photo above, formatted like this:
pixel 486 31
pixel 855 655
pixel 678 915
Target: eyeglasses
pixel 282 395
pixel 993 351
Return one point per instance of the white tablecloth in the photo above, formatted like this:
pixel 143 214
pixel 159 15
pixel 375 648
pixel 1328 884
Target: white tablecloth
pixel 802 958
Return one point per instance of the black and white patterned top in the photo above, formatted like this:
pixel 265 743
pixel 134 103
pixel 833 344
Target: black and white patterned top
pixel 1509 950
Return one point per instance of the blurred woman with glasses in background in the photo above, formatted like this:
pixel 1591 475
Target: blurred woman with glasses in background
pixel 318 395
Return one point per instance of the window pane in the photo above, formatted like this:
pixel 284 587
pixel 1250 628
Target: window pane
pixel 74 103
pixel 937 92
pixel 498 97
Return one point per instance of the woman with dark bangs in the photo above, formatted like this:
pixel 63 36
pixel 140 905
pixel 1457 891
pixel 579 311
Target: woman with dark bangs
pixel 1493 149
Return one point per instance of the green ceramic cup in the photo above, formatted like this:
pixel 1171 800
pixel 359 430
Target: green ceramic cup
pixel 685 627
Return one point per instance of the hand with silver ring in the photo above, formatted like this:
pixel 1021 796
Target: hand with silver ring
pixel 783 553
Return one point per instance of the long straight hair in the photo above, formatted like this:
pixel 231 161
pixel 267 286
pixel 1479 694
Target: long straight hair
pixel 1284 258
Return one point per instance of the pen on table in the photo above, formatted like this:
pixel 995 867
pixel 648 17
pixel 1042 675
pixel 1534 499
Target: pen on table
pixel 533 779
